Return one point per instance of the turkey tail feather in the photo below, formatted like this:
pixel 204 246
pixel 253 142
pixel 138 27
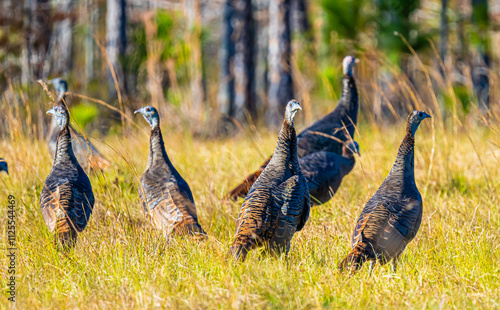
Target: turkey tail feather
pixel 239 251
pixel 358 256
pixel 66 234
pixel 241 190
pixel 193 230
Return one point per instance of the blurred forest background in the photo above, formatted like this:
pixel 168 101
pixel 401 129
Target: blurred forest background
pixel 219 66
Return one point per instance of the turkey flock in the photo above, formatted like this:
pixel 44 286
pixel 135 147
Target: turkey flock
pixel 305 170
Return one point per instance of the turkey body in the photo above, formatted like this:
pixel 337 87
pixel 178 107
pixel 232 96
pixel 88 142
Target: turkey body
pixel 330 132
pixel 327 134
pixel 324 172
pixel 278 203
pixel 165 196
pixel 392 216
pixel 4 166
pixel 67 199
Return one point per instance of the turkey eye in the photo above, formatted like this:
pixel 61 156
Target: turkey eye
pixel 421 114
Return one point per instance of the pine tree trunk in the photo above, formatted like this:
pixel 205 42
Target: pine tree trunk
pixel 481 59
pixel 154 49
pixel 226 79
pixel 280 75
pixel 244 71
pixel 237 90
pixel 262 51
pixel 38 32
pixel 196 65
pixel 444 34
pixel 116 44
pixel 300 19
pixel 480 22
pixel 92 17
pixel 61 41
pixel 494 14
pixel 13 21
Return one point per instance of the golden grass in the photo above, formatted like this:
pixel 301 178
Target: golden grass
pixel 121 262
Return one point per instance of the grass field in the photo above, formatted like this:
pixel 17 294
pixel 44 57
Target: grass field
pixel 121 262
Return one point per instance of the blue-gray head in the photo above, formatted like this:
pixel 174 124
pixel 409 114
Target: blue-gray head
pixel 291 108
pixel 150 114
pixel 61 87
pixel 4 166
pixel 60 114
pixel 347 64
pixel 414 120
pixel 350 148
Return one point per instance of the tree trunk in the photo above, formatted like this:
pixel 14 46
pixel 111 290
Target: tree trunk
pixel 494 15
pixel 237 97
pixel 38 32
pixel 262 51
pixel 480 22
pixel 92 17
pixel 116 44
pixel 226 79
pixel 13 18
pixel 196 66
pixel 244 71
pixel 61 41
pixel 300 19
pixel 480 62
pixel 280 75
pixel 153 66
pixel 444 34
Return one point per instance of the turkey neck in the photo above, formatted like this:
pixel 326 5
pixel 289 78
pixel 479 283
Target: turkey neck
pixel 286 148
pixel 64 149
pixel 157 153
pixel 54 129
pixel 350 95
pixel 404 164
pixel 347 153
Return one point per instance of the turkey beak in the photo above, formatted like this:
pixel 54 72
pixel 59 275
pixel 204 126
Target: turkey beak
pixel 52 111
pixel 141 110
pixel 426 116
pixel 354 148
pixel 296 106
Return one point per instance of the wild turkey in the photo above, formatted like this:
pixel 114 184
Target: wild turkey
pixel 327 134
pixel 481 83
pixel 166 198
pixel 392 216
pixel 4 166
pixel 67 199
pixel 278 203
pixel 324 171
pixel 84 150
